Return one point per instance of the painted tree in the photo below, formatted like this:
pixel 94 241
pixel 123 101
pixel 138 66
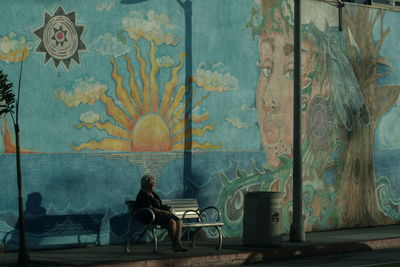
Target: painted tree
pixel 9 106
pixel 358 197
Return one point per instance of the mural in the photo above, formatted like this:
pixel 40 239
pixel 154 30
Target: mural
pixel 90 129
pixel 340 189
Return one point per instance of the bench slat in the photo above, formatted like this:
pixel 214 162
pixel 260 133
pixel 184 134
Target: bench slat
pixel 202 224
pixel 188 215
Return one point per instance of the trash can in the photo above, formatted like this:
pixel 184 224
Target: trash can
pixel 262 218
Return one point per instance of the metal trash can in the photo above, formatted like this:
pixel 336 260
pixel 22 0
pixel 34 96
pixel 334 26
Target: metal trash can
pixel 262 218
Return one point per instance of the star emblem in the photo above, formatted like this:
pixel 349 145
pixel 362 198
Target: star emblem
pixel 60 38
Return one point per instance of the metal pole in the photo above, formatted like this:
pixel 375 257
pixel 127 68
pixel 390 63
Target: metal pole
pixel 187 166
pixel 297 233
pixel 23 256
pixel 340 6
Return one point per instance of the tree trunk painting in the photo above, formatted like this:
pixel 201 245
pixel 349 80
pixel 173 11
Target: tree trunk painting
pixel 358 198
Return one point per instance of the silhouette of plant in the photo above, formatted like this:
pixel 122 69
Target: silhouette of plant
pixel 7 100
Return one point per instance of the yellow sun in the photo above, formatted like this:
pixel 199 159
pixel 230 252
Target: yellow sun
pixel 144 124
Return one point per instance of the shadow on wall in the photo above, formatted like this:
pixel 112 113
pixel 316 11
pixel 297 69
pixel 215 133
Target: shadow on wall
pixel 50 231
pixel 119 228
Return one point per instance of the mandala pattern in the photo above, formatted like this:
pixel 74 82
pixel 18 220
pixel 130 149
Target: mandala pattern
pixel 60 38
pixel 320 123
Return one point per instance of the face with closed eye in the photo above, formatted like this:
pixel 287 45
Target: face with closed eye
pixel 275 92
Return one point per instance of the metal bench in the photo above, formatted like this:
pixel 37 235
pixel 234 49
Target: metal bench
pixel 186 209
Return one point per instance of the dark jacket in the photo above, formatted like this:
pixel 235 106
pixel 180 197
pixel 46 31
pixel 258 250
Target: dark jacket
pixel 147 200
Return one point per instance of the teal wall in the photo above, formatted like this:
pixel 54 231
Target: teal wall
pixel 89 131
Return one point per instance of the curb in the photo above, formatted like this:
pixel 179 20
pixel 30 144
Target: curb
pixel 269 254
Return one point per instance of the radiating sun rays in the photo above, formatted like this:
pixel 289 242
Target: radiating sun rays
pixel 142 121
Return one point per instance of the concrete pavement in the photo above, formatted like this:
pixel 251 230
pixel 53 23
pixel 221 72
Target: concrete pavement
pixel 233 252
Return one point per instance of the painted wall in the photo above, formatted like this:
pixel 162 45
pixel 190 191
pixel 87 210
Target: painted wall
pixel 103 100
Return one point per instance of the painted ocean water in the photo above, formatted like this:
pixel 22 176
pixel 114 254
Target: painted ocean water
pixel 85 183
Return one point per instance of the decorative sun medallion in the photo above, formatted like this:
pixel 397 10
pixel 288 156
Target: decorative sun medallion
pixel 320 123
pixel 60 38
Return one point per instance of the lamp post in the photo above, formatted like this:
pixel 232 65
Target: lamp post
pixel 187 166
pixel 297 231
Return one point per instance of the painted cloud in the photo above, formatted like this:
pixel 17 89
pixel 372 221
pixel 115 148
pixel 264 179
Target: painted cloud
pixel 242 118
pixel 12 48
pixel 150 26
pixel 86 92
pixel 199 113
pixel 165 61
pixel 108 45
pixel 215 78
pixel 89 117
pixel 105 5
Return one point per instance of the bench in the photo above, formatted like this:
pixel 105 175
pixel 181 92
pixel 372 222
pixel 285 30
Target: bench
pixel 186 209
pixel 42 226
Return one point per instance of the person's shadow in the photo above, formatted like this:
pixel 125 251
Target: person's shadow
pixel 34 216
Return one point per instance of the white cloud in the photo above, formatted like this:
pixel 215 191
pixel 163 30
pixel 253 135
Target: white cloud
pixel 105 5
pixel 165 61
pixel 89 117
pixel 108 45
pixel 243 117
pixel 86 92
pixel 11 48
pixel 150 26
pixel 199 114
pixel 215 78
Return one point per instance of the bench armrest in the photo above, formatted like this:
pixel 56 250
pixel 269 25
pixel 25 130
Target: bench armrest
pixel 213 208
pixel 143 210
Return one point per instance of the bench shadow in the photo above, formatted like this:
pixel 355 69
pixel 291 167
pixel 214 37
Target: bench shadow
pixel 44 231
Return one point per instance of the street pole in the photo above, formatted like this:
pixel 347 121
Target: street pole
pixel 187 165
pixel 23 256
pixel 297 231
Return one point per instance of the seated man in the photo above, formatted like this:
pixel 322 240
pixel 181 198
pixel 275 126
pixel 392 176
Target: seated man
pixel 147 198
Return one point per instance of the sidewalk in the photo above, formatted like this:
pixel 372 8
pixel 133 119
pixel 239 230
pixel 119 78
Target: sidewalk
pixel 232 253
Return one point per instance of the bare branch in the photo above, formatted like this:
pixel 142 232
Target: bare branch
pixel 382 74
pixel 377 15
pixel 383 61
pixel 384 98
pixel 380 41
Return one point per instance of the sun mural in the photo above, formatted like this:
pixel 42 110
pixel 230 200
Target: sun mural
pixel 144 124
pixel 138 117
